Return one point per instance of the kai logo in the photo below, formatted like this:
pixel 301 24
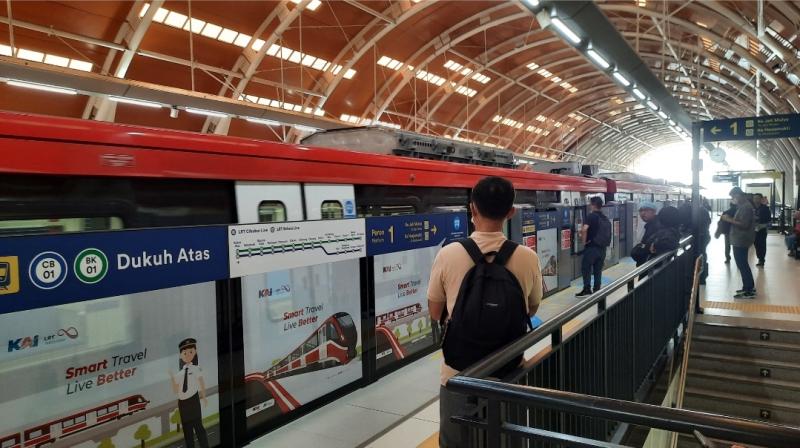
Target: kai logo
pixel 23 343
pixel 280 291
pixel 9 275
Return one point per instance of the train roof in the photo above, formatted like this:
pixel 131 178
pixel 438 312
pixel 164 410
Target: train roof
pixel 53 145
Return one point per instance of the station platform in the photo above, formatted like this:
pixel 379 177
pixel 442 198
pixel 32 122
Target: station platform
pixel 402 409
pixel 777 295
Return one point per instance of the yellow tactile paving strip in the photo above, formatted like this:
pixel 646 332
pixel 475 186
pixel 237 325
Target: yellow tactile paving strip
pixel 430 442
pixel 752 307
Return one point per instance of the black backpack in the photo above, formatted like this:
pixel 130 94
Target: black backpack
pixel 603 236
pixel 490 310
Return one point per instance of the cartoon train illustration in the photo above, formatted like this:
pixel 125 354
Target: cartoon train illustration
pixel 55 430
pixel 332 344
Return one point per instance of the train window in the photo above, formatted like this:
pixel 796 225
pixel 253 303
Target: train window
pixel 332 334
pixel 58 225
pixel 332 210
pixel 271 211
pixel 35 433
pixel 8 443
pixel 310 344
pixel 102 411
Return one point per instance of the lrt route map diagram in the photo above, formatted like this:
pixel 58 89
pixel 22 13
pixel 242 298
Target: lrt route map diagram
pixel 260 248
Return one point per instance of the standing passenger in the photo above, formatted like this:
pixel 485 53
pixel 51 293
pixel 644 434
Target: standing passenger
pixel 763 218
pixel 596 236
pixel 491 204
pixel 641 252
pixel 724 228
pixel 742 237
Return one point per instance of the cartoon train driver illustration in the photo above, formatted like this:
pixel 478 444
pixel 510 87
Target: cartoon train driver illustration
pixel 190 389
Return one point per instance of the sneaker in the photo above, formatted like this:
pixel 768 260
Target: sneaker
pixel 760 264
pixel 745 295
pixel 739 291
pixel 727 261
pixel 584 293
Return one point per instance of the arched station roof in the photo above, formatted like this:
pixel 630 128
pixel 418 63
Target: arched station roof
pixel 485 71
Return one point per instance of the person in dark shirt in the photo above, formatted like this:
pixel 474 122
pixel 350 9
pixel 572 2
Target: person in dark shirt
pixel 594 255
pixel 763 218
pixel 668 236
pixel 647 212
pixel 724 228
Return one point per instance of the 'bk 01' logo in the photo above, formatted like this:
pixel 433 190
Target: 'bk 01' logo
pixel 23 343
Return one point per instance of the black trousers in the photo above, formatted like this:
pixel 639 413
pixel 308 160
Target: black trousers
pixel 592 266
pixel 727 247
pixel 761 245
pixel 192 419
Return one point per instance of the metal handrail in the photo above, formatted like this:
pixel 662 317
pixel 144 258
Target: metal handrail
pixel 669 419
pixel 687 343
pixel 501 357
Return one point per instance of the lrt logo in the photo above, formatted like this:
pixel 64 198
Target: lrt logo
pixel 457 223
pixel 23 343
pixel 9 275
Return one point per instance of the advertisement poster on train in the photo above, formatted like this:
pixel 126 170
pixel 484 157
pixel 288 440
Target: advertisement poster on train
pixel 547 249
pixel 124 371
pixel 302 336
pixel 402 320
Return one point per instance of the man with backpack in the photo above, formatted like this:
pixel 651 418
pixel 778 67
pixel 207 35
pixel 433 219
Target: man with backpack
pixel 596 236
pixel 485 288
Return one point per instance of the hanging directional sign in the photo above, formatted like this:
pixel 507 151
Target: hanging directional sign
pixel 752 128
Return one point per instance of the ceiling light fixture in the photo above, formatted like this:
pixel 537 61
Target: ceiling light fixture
pixel 209 113
pixel 42 87
pixel 572 36
pixel 595 56
pixel 622 79
pixel 651 105
pixel 135 102
pixel 639 94
pixel 662 114
pixel 263 121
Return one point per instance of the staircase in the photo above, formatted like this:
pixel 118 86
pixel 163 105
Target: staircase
pixel 741 367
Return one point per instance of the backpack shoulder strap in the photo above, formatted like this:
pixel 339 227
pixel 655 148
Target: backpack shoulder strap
pixel 472 249
pixel 505 252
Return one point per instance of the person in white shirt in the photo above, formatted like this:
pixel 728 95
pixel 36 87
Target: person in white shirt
pixel 190 388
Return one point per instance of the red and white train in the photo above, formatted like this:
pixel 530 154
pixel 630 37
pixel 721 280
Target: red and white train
pixel 55 430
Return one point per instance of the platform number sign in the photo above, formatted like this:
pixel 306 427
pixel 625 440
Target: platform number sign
pixel 91 265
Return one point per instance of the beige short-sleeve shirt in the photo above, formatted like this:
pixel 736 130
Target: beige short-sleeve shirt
pixel 453 262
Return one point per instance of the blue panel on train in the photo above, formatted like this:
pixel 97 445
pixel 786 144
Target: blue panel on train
pixel 59 269
pixel 386 234
pixel 547 220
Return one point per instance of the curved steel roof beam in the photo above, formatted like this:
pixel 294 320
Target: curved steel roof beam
pixel 719 40
pixel 439 45
pixel 362 42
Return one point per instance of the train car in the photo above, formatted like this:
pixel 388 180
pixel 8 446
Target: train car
pixel 56 430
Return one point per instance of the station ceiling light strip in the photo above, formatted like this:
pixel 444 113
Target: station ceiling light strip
pixel 42 87
pixel 200 27
pixel 548 17
pixel 50 59
pixel 311 6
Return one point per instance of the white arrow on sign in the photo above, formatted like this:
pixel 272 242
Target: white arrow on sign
pixel 715 130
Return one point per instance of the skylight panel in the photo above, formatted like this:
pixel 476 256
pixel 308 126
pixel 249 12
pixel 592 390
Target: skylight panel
pixel 533 66
pixel 308 60
pixel 544 72
pixel 349 73
pixel 30 55
pixel 5 50
pixel 211 30
pixel 242 40
pixel 80 65
pixel 295 57
pixel 175 19
pixel 196 25
pixel 257 45
pixel 384 61
pixel 481 78
pixel 145 7
pixel 227 36
pixel 555 79
pixel 319 64
pixel 541 118
pixel 160 15
pixel 273 50
pixel 56 60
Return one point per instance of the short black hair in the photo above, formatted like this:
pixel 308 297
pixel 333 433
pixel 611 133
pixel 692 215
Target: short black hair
pixel 596 201
pixel 493 196
pixel 758 194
